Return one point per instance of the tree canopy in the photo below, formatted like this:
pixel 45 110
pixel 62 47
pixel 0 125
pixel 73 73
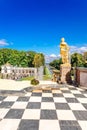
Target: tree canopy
pixel 56 63
pixel 18 58
pixel 38 60
pixel 77 60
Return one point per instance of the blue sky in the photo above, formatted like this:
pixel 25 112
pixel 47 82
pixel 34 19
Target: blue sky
pixel 39 24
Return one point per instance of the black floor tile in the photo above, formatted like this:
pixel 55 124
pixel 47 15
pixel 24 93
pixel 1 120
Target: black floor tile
pixel 70 128
pixel 72 88
pixel 48 114
pixel 14 114
pixel 79 95
pixel 23 99
pixel 62 106
pixel 2 98
pixel 34 105
pixel 6 104
pixel 72 100
pixel 85 105
pixel 57 95
pixel 65 91
pixel 36 94
pixel 80 115
pixel 47 99
pixel 29 125
pixel 68 123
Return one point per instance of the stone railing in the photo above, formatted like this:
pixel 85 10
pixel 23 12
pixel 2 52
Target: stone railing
pixel 81 76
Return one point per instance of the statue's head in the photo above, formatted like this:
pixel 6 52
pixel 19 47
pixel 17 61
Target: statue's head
pixel 62 39
pixel 63 42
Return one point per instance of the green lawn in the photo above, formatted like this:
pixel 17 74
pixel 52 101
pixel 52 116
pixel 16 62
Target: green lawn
pixel 27 78
pixel 47 75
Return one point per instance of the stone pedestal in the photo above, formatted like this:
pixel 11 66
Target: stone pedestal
pixel 65 73
pixel 56 74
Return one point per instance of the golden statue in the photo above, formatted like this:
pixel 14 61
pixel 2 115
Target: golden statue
pixel 64 52
pixel 65 68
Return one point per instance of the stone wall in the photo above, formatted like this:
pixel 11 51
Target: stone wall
pixel 81 76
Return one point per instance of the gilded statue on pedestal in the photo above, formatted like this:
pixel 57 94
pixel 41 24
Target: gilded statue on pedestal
pixel 65 68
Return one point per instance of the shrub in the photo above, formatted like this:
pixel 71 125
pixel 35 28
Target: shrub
pixel 34 82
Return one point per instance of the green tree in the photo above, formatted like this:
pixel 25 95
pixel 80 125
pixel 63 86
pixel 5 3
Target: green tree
pixel 77 60
pixel 37 60
pixel 56 63
pixel 19 58
pixel 30 57
pixel 42 59
pixel 85 59
pixel 15 57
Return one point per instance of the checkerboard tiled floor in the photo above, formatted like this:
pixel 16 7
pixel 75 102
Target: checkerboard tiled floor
pixel 61 109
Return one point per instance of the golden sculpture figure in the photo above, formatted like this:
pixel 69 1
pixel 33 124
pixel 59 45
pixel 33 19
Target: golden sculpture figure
pixel 64 52
pixel 65 68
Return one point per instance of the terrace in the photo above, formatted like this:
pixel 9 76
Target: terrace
pixel 52 106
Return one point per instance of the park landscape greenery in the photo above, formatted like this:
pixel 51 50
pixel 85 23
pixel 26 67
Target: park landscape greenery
pixel 20 58
pixel 77 60
pixel 34 59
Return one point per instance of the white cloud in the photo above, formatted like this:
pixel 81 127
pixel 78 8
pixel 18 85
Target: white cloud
pixel 53 56
pixel 83 49
pixel 74 49
pixel 49 58
pixel 59 56
pixel 3 42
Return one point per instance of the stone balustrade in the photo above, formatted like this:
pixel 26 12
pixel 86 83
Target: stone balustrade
pixel 11 72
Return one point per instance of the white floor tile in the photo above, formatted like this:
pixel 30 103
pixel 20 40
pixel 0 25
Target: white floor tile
pixel 49 125
pixel 31 114
pixel 28 94
pixel 64 88
pixel 68 95
pixel 9 124
pixel 75 92
pixel 11 98
pixel 59 100
pixel 85 95
pixel 19 105
pixel 82 100
pixel 76 106
pixel 70 86
pixel 83 124
pixel 46 105
pixel 56 91
pixel 47 95
pixel 3 112
pixel 65 115
pixel 35 99
pixel 80 89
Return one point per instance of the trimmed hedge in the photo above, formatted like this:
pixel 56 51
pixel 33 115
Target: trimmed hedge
pixel 34 82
